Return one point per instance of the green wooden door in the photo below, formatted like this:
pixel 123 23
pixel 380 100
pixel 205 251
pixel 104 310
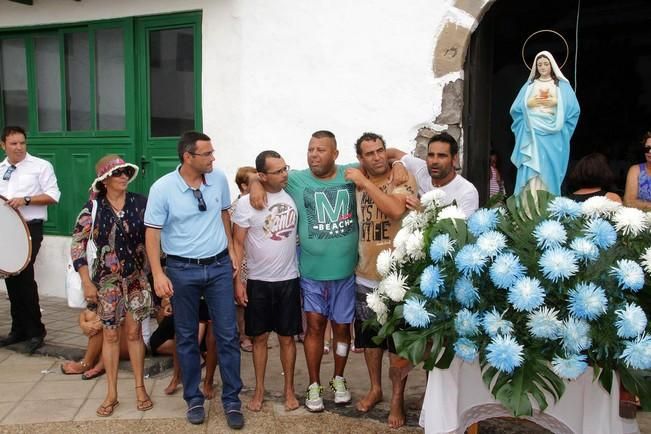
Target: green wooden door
pixel 168 53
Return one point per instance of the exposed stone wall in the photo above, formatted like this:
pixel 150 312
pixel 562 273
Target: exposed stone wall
pixel 448 64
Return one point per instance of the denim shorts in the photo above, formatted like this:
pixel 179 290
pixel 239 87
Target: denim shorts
pixel 334 299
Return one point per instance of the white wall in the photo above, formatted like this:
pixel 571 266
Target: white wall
pixel 275 71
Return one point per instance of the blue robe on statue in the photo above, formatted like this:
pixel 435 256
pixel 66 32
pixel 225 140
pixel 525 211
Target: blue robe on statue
pixel 542 140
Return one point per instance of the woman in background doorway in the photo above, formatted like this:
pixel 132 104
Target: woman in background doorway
pixel 592 177
pixel 638 180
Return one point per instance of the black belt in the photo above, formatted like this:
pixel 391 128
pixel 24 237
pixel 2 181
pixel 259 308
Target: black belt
pixel 35 222
pixel 199 261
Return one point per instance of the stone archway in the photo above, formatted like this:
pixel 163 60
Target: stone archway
pixel 452 40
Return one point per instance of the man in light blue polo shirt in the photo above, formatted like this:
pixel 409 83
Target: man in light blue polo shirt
pixel 187 212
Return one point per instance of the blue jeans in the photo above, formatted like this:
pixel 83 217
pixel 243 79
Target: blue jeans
pixel 215 283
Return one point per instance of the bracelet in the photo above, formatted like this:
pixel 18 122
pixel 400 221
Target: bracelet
pixel 396 162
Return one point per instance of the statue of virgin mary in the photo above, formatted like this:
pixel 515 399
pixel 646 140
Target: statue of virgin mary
pixel 545 114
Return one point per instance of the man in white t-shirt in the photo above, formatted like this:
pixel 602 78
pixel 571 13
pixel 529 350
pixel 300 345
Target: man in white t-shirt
pixel 272 296
pixel 438 171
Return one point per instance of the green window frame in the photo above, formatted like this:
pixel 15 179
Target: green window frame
pixel 74 153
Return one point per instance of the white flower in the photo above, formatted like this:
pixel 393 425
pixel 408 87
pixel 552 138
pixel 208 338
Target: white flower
pixel 384 262
pixel 433 198
pixel 375 302
pixel 415 245
pixel 401 237
pixel 394 286
pixel 491 243
pixel 630 221
pixel 451 212
pixel 599 206
pixel 414 220
pixel 382 317
pixel 646 260
pixel 398 255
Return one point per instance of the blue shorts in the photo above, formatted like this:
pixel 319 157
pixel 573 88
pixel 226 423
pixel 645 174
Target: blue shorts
pixel 334 299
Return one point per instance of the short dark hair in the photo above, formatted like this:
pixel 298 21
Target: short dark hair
pixel 368 137
pixel 325 134
pixel 188 142
pixel 445 138
pixel 591 171
pixel 11 129
pixel 261 160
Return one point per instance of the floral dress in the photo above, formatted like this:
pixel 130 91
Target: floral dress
pixel 644 184
pixel 121 267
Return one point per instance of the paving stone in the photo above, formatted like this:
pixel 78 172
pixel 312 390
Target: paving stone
pixel 54 410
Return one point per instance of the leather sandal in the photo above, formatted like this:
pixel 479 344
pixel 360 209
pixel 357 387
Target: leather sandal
pixel 107 409
pixel 65 367
pixel 144 404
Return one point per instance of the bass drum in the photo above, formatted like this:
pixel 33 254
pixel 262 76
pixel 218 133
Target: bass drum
pixel 16 247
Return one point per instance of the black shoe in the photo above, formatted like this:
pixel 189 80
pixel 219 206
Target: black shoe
pixel 11 339
pixel 235 419
pixel 34 344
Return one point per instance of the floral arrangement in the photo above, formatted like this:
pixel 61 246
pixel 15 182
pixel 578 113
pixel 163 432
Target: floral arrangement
pixel 535 291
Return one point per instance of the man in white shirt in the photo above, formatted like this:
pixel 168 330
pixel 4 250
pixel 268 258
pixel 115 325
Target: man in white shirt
pixel 30 186
pixel 438 171
pixel 272 297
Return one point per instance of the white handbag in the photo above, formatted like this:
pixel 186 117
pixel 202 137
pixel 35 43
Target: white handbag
pixel 74 288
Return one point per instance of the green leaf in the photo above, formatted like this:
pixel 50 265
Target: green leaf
pixel 520 404
pixel 446 358
pixel 606 378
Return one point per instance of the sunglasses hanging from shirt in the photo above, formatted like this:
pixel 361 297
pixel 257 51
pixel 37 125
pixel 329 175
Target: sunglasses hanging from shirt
pixel 11 169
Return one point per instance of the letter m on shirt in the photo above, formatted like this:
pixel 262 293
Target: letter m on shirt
pixel 325 211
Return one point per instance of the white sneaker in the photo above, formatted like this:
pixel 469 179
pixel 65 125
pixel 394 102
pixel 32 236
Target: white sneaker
pixel 342 394
pixel 314 400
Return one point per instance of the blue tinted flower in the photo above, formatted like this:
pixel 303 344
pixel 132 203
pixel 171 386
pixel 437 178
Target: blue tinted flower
pixel 465 349
pixel 600 232
pixel 585 249
pixel 631 321
pixel 558 263
pixel 506 269
pixel 470 259
pixel 415 314
pixel 544 323
pixel 466 323
pixel 494 323
pixel 465 292
pixel 550 233
pixel 483 220
pixel 491 243
pixel 637 353
pixel 431 281
pixel 629 275
pixel 504 353
pixel 526 294
pixel 570 367
pixel 562 207
pixel 575 334
pixel 440 247
pixel 587 301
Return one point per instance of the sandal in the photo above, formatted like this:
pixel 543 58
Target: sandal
pixel 92 373
pixel 144 404
pixel 107 409
pixel 67 370
pixel 326 347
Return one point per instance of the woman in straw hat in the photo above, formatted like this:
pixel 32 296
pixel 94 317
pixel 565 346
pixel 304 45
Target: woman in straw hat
pixel 116 284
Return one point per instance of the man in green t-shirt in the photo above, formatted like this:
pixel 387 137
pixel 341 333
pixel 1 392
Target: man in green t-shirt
pixel 328 234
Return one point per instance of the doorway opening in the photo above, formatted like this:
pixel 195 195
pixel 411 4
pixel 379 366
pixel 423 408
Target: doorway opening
pixel 611 77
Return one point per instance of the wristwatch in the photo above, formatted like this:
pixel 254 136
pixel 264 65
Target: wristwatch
pixel 28 200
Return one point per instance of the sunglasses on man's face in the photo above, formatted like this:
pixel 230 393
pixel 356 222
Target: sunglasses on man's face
pixel 123 171
pixel 202 204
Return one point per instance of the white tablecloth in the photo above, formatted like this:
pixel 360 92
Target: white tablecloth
pixel 457 397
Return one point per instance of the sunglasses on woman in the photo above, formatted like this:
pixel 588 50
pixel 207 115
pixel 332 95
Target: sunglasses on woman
pixel 647 149
pixel 122 171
